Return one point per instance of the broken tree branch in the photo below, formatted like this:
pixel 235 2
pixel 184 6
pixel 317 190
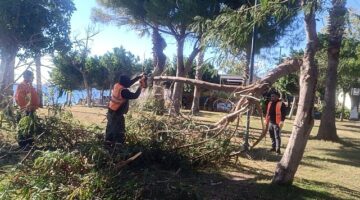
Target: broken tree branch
pixel 285 68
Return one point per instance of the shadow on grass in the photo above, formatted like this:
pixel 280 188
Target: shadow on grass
pixel 216 186
pixel 352 126
pixel 350 142
pixel 213 185
pixel 152 177
pixel 264 154
pixel 347 129
pixel 346 157
pixel 10 156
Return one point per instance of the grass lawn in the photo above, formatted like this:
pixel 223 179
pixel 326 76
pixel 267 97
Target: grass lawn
pixel 327 171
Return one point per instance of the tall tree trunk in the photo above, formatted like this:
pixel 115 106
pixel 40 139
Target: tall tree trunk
pixel 354 112
pixel 159 58
pixel 304 121
pixel 7 66
pixel 293 105
pixel 88 89
pixel 343 106
pixel 246 74
pixel 180 72
pixel 70 98
pixel 67 99
pixel 38 78
pixel 102 96
pixel 110 88
pixel 198 76
pixel 327 129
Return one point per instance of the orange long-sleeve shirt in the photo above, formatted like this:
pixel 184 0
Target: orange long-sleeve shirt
pixel 26 97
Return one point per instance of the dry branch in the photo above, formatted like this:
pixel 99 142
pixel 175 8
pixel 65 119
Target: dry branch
pixel 126 162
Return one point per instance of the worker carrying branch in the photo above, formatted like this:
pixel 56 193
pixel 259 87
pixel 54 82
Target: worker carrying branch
pixel 119 105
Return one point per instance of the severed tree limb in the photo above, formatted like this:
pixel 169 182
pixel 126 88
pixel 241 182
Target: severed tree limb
pixel 264 128
pixel 247 94
pixel 126 162
pixel 199 83
pixel 283 69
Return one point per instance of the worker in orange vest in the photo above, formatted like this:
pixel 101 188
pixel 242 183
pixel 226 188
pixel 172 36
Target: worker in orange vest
pixel 275 116
pixel 119 105
pixel 28 100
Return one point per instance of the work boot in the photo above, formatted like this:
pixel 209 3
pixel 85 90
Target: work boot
pixel 278 152
pixel 272 150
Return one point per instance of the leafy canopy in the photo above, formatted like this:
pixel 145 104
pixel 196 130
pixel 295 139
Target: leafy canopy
pixel 35 25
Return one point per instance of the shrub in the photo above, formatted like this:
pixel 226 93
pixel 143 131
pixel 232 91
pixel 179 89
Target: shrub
pixel 75 164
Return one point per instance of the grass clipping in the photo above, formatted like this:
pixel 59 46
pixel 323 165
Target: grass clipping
pixel 72 161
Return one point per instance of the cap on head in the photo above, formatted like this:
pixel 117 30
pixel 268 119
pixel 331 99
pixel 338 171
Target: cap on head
pixel 125 81
pixel 28 75
pixel 276 93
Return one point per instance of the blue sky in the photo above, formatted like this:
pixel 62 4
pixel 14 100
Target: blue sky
pixel 112 36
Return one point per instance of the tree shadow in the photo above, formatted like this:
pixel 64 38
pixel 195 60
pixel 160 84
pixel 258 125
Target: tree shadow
pixel 10 155
pixel 352 126
pixel 308 164
pixel 217 186
pixel 340 162
pixel 346 129
pixel 263 154
pixel 350 143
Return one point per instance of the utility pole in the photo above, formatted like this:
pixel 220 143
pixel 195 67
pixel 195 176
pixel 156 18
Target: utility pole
pixel 251 68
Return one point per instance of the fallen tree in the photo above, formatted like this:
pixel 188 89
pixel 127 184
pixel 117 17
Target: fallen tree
pixel 285 68
pixel 248 93
pixel 255 90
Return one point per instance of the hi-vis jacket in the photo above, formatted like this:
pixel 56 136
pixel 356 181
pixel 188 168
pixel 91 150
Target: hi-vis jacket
pixel 278 112
pixel 116 99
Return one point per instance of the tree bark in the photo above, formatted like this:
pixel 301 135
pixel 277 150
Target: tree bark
pixel 354 113
pixel 67 99
pixel 327 129
pixel 304 121
pixel 88 89
pixel 180 72
pixel 198 76
pixel 38 78
pixel 70 98
pixel 293 105
pixel 247 62
pixel 102 96
pixel 159 58
pixel 343 106
pixel 7 66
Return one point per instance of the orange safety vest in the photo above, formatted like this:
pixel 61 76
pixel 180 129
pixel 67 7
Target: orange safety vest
pixel 26 97
pixel 277 112
pixel 116 99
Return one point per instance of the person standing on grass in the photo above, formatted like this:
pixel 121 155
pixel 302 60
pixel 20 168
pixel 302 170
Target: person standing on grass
pixel 28 100
pixel 275 116
pixel 119 105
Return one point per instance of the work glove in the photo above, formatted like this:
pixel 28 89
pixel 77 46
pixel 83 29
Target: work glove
pixel 143 82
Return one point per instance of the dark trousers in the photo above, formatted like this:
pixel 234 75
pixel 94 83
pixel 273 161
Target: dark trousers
pixel 274 131
pixel 115 128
